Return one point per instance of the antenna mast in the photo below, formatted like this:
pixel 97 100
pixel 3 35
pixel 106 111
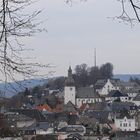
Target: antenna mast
pixel 94 57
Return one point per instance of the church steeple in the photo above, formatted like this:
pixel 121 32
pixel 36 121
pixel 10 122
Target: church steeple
pixel 69 81
pixel 69 72
pixel 69 89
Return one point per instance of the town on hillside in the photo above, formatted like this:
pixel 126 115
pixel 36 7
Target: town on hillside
pixel 109 109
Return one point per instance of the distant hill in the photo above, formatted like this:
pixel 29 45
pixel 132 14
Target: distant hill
pixel 13 88
pixel 126 77
pixel 9 91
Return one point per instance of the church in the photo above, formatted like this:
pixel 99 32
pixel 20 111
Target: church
pixel 79 96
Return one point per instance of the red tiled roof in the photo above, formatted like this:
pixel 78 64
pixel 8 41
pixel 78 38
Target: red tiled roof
pixel 44 107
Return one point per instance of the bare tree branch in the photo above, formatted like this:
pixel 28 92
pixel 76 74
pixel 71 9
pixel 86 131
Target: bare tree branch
pixel 14 25
pixel 134 6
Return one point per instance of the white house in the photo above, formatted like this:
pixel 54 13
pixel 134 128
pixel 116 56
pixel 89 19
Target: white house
pixel 103 87
pixel 125 122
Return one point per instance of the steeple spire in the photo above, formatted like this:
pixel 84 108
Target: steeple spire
pixel 69 81
pixel 69 72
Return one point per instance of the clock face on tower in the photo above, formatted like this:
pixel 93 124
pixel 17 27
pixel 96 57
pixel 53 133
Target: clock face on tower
pixel 71 88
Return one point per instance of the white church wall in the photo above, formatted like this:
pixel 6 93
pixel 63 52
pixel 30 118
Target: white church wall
pixel 69 94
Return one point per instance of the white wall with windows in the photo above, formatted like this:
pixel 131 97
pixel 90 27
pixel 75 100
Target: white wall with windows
pixel 125 124
pixel 107 88
pixel 80 101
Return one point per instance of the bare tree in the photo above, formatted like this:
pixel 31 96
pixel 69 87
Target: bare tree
pixel 15 24
pixel 126 6
pixel 130 11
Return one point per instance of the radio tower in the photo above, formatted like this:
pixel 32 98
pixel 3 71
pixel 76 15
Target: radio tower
pixel 94 57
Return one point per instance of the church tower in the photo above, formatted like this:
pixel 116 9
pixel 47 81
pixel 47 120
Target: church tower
pixel 69 90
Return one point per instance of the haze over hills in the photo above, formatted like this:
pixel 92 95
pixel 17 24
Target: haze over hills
pixel 9 90
pixel 13 88
pixel 126 77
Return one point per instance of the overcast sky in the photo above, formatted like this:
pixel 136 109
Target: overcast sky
pixel 74 31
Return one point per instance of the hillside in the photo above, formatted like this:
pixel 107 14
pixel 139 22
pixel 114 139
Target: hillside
pixel 13 88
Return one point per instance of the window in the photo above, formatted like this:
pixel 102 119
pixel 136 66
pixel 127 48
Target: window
pixel 70 88
pixel 120 124
pixel 129 124
pixel 125 125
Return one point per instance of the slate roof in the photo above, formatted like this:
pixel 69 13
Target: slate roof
pixel 101 116
pixel 85 120
pixel 100 83
pixel 131 84
pixel 32 113
pixel 86 92
pixel 95 106
pixel 123 84
pixel 17 117
pixel 119 106
pixel 69 107
pixel 137 98
pixel 134 90
pixel 123 114
pixel 52 117
pixel 40 125
pixel 127 135
pixel 116 93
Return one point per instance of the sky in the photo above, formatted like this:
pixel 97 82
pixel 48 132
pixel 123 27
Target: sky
pixel 73 31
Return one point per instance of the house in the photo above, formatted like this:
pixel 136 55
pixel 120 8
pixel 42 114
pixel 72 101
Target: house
pixel 17 120
pixel 132 93
pixel 100 106
pixel 103 87
pixel 116 95
pixel 70 108
pixel 125 122
pixel 101 116
pixel 44 107
pixel 39 128
pixel 80 95
pixel 121 106
pixel 130 85
pixel 32 113
pixel 87 95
